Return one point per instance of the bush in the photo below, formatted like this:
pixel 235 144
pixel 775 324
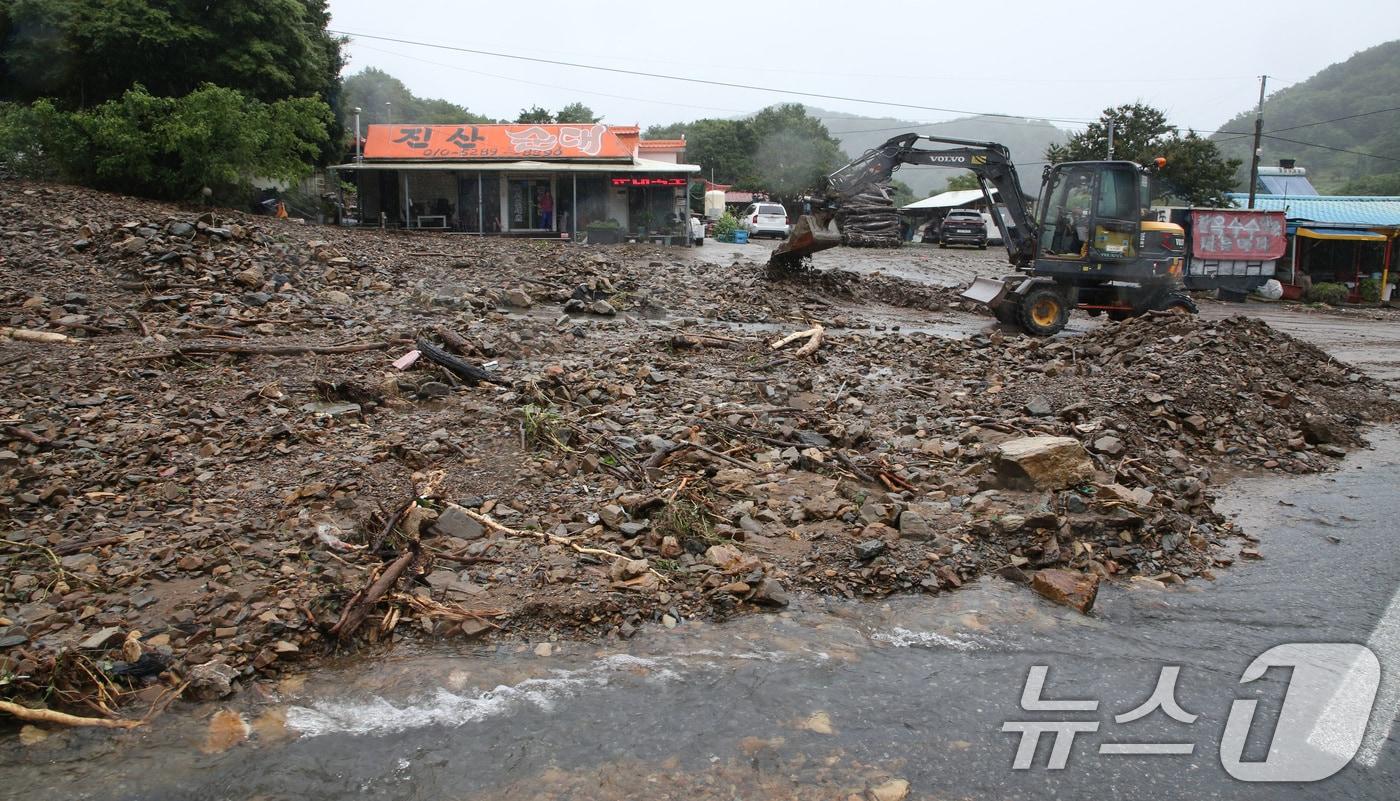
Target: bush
pixel 167 147
pixel 725 226
pixel 1370 290
pixel 1329 293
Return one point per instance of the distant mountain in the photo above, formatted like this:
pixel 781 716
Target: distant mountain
pixel 1366 82
pixel 1026 138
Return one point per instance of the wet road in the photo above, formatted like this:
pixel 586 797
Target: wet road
pixel 826 700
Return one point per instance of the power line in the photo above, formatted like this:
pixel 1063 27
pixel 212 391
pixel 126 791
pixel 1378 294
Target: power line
pixel 548 85
pixel 1328 147
pixel 1337 119
pixel 663 76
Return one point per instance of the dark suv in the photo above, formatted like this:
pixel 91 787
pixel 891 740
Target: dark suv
pixel 963 227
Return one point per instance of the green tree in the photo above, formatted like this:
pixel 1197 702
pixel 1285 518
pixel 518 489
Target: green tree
pixel 370 88
pixel 84 52
pixel 1383 184
pixel 962 181
pixel 903 195
pixel 1195 172
pixel 534 115
pixel 576 113
pixel 722 148
pixel 791 152
pixel 167 147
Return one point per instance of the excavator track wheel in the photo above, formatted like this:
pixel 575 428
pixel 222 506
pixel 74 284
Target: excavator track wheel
pixel 1044 311
pixel 1179 303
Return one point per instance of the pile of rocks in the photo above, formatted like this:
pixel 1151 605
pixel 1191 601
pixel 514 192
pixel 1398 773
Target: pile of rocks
pixel 230 438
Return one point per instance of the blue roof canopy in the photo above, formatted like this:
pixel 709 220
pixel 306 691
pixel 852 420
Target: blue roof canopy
pixel 1331 210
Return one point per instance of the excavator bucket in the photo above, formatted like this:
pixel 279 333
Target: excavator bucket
pixel 987 291
pixel 808 236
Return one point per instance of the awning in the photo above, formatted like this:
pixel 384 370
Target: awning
pixel 636 165
pixel 1345 234
pixel 957 197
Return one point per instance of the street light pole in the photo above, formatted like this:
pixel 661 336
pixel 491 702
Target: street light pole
pixel 1110 139
pixel 388 107
pixel 358 157
pixel 1258 135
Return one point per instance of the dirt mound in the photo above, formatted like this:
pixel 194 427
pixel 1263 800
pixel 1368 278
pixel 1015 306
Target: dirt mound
pixel 209 460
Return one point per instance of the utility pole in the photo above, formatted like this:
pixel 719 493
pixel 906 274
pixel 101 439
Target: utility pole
pixel 358 157
pixel 1110 139
pixel 1258 135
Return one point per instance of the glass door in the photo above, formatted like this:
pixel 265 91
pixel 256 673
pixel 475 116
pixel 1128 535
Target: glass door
pixel 530 204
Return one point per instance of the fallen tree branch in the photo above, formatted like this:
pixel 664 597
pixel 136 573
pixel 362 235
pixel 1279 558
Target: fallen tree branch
pixel 207 349
pixel 812 344
pixel 363 601
pixel 469 373
pixel 543 535
pixel 62 718
pixel 30 335
pixel 778 344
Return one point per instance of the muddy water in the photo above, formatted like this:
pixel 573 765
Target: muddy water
pixel 829 699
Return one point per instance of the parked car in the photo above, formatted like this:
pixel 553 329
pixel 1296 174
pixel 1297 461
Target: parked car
pixel 963 227
pixel 765 219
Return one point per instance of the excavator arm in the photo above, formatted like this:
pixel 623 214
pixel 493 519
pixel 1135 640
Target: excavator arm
pixel 989 161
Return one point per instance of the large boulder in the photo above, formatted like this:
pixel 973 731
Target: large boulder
pixel 1041 463
pixel 1067 587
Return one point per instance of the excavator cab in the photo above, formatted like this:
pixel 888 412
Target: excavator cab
pixel 1092 210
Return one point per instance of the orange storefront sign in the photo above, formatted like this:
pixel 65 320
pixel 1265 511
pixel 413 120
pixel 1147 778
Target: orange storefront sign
pixel 494 142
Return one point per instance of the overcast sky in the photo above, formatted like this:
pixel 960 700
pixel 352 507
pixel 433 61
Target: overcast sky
pixel 1066 61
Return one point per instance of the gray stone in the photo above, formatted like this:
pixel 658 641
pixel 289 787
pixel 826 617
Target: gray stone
pixel 770 593
pixel 1039 407
pixel 602 307
pixel 210 681
pixel 612 515
pixel 913 526
pixel 519 298
pixel 434 389
pixel 1043 462
pixel 870 549
pixel 454 522
pixel 1108 445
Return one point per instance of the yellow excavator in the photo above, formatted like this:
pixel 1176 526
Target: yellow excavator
pixel 1088 246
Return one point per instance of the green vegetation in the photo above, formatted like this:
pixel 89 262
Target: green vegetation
pixel 167 147
pixel 962 181
pixel 724 228
pixel 1383 184
pixel 163 98
pixel 1196 174
pixel 1329 293
pixel 370 88
pixel 572 113
pixel 1366 82
pixel 1370 290
pixel 781 149
pixel 543 427
pixel 687 522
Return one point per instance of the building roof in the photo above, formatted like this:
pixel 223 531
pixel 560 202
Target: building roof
pixel 636 165
pixel 1331 210
pixel 661 144
pixel 958 197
